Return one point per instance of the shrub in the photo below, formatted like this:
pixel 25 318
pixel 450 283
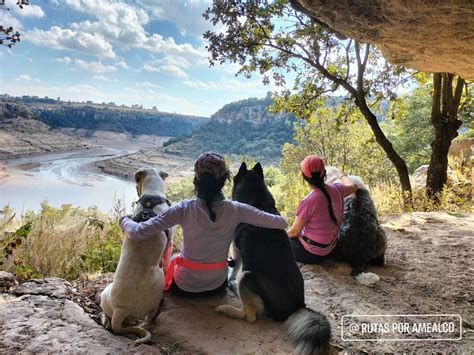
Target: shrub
pixel 61 242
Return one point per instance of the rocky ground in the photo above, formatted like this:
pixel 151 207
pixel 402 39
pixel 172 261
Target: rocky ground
pixel 429 269
pixel 25 136
pixel 126 165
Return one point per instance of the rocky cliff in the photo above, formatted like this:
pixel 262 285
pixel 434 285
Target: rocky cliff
pixel 253 110
pixel 118 120
pixel 240 128
pixel 432 36
pixel 21 134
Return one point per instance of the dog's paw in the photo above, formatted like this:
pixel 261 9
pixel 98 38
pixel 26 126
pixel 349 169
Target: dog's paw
pixel 230 311
pixel 367 278
pixel 105 322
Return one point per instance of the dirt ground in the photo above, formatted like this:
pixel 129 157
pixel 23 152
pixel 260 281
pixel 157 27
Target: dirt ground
pixel 429 270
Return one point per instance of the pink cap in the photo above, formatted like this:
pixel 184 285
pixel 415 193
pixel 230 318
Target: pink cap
pixel 313 163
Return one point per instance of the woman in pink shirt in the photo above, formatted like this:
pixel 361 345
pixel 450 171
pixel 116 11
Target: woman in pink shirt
pixel 319 214
pixel 208 224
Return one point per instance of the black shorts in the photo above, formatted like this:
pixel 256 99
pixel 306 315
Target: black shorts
pixel 305 257
pixel 176 291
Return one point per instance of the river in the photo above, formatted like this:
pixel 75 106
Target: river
pixel 66 178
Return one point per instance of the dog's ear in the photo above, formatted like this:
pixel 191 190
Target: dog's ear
pixel 163 174
pixel 258 169
pixel 242 170
pixel 139 175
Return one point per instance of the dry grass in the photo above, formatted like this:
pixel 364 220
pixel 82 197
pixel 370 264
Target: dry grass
pixel 455 197
pixel 65 242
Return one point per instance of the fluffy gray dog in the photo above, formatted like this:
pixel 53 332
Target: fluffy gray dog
pixel 361 241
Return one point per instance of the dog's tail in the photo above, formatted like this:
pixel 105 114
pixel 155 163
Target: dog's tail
pixel 309 331
pixel 117 320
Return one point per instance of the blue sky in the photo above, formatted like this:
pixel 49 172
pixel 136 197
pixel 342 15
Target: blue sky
pixel 146 52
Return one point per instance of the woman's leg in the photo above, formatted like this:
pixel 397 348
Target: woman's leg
pixel 176 291
pixel 304 256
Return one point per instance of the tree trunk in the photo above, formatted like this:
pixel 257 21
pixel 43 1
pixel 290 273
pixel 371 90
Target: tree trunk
pixel 387 146
pixel 444 114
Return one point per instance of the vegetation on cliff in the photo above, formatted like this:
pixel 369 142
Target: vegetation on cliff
pixel 59 114
pixel 245 127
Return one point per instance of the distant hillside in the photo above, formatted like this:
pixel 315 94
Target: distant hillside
pixel 240 128
pixel 95 117
pixel 21 134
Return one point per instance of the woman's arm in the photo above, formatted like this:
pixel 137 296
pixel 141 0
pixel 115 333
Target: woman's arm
pixel 296 228
pixel 152 227
pixel 251 215
pixel 348 183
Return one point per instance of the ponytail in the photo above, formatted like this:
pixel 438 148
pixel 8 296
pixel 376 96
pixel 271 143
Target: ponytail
pixel 318 181
pixel 208 188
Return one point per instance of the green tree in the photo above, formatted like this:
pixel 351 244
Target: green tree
pixel 272 38
pixel 410 129
pixel 343 139
pixel 447 101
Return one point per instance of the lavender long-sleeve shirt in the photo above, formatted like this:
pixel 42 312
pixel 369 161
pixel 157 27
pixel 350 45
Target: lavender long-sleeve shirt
pixel 203 240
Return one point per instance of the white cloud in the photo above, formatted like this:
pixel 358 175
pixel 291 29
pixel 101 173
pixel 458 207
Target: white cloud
pixel 158 44
pixel 119 24
pixel 67 39
pixel 26 77
pixel 65 60
pixel 147 84
pixel 186 15
pixel 103 78
pixel 30 10
pixel 8 20
pixel 171 64
pixel 225 84
pixel 94 67
pixel 121 64
pixel 167 69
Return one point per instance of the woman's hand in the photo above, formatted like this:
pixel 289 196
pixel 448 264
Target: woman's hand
pixel 295 230
pixel 351 187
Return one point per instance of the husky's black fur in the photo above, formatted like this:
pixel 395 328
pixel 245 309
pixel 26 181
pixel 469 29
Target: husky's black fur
pixel 269 269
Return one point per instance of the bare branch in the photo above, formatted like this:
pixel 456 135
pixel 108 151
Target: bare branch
pixel 457 95
pixel 347 59
pixel 435 108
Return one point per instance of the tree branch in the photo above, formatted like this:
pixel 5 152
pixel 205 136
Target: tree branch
pixel 347 59
pixel 360 70
pixel 457 96
pixel 435 108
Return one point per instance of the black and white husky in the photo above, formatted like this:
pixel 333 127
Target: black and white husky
pixel 269 281
pixel 361 241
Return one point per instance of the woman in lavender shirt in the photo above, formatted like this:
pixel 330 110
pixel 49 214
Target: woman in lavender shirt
pixel 208 224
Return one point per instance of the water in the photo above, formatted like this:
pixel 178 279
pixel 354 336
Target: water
pixel 63 178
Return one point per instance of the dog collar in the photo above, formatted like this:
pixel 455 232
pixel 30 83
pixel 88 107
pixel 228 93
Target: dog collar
pixel 148 202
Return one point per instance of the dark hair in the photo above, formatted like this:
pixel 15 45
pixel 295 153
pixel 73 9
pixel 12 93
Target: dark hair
pixel 318 181
pixel 208 187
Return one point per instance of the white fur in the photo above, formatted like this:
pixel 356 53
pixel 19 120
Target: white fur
pixel 332 176
pixel 137 288
pixel 367 278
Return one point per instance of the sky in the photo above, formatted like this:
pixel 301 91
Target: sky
pixel 145 52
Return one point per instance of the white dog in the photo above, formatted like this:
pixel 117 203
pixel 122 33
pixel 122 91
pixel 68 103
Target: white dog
pixel 137 289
